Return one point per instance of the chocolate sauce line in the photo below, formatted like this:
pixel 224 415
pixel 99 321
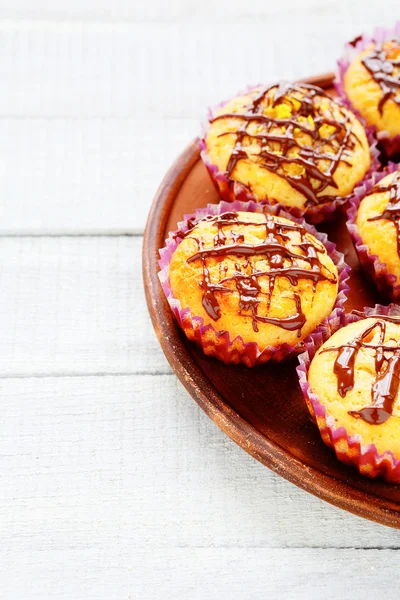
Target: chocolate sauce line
pixel 230 218
pixel 389 318
pixel 364 345
pixel 355 41
pixel 386 385
pixel 246 283
pixel 308 156
pixel 291 273
pixel 392 210
pixel 384 71
pixel 266 248
pixel 291 323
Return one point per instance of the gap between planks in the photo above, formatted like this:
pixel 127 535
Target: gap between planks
pixel 261 547
pixel 72 374
pixel 71 234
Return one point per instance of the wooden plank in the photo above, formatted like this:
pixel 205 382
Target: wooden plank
pixel 97 463
pixel 139 110
pixel 84 175
pixel 136 70
pixel 182 10
pixel 293 574
pixel 119 487
pixel 74 305
pixel 117 568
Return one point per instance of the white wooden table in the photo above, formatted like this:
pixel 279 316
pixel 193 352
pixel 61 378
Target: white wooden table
pixel 113 484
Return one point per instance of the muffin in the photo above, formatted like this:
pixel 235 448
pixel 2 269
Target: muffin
pixel 351 386
pixel 370 80
pixel 249 284
pixel 374 224
pixel 289 144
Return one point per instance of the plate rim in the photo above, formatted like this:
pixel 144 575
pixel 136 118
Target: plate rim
pixel 272 455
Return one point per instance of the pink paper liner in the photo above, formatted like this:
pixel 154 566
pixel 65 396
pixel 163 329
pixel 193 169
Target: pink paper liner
pixel 231 190
pixel 390 145
pixel 349 449
pixel 373 267
pixel 218 343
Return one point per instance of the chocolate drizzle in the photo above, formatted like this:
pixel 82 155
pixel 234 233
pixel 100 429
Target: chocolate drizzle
pixel 282 262
pixel 392 210
pixel 385 71
pixel 280 138
pixel 355 41
pixel 387 367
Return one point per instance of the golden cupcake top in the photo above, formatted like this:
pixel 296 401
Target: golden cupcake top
pixel 259 276
pixel 356 375
pixel 378 221
pixel 294 132
pixel 372 82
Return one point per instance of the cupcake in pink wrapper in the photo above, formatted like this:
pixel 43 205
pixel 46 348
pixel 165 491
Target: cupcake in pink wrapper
pixel 351 386
pixel 249 283
pixel 289 144
pixel 368 81
pixel 374 225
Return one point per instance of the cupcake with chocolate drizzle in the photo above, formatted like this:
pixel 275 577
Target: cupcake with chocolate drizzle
pixel 374 224
pixel 289 144
pixel 351 385
pixel 248 284
pixel 369 80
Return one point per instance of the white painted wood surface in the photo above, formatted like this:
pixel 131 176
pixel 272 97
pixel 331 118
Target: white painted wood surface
pixel 113 484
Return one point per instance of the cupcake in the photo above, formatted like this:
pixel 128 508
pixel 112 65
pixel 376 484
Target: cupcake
pixel 374 224
pixel 370 80
pixel 290 144
pixel 248 284
pixel 351 385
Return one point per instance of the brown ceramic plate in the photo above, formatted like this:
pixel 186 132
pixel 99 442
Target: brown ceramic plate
pixel 261 409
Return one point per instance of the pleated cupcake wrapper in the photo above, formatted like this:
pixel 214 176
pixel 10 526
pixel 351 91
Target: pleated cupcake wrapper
pixel 390 145
pixel 218 343
pixel 231 190
pixel 373 267
pixel 349 449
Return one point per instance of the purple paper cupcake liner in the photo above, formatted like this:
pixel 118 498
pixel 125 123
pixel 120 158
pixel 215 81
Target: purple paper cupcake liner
pixel 231 190
pixel 349 449
pixel 373 267
pixel 219 344
pixel 390 145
